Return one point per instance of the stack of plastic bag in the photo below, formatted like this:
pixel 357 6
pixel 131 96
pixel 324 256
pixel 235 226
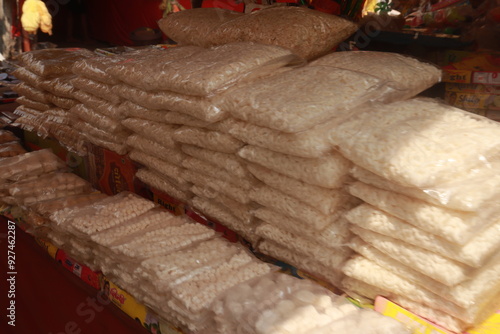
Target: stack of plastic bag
pixel 47 94
pixel 286 119
pixel 99 114
pixel 428 233
pixel 9 145
pixel 181 136
pixel 276 303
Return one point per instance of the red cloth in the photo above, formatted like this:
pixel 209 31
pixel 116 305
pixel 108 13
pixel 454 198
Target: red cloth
pixel 51 300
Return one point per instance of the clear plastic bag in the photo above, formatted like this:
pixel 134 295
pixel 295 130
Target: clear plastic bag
pixel 72 139
pixel 91 131
pixel 94 68
pixel 157 132
pixel 335 235
pixel 172 155
pixel 463 194
pixel 62 102
pixel 46 208
pixel 307 264
pixel 27 76
pixel 59 86
pixel 162 183
pixel 283 101
pixel 216 173
pixel 30 164
pixel 192 27
pixel 291 207
pixel 227 161
pixel 200 108
pixel 211 140
pixel 53 62
pixel 429 143
pixel 24 101
pixel 440 268
pixel 473 253
pixel 132 110
pixel 31 93
pixel 206 71
pixel 408 75
pixel 174 117
pixel 329 171
pixel 312 143
pixel 455 226
pixel 100 105
pixel 96 88
pixel 308 33
pixel 49 186
pixel 327 201
pixel 98 120
pixel 146 70
pixel 8 150
pixel 160 166
pixel 330 258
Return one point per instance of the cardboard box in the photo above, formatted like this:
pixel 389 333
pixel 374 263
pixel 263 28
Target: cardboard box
pixel 473 82
pixel 110 172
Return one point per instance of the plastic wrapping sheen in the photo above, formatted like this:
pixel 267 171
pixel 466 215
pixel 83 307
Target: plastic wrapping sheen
pixel 211 140
pixel 59 86
pixel 200 108
pixel 7 137
pixel 191 27
pixel 172 155
pixel 31 93
pixel 283 101
pixel 157 132
pixel 27 76
pixel 408 75
pixel 53 62
pixel 308 33
pixel 473 253
pixel 98 120
pixel 159 166
pixel 11 150
pixel 162 183
pixel 329 171
pixel 132 110
pixel 429 143
pixel 40 106
pixel 455 226
pixel 96 88
pixel 100 105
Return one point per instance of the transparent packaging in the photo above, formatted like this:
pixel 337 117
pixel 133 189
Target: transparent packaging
pixel 96 88
pixel 164 184
pixel 27 76
pixel 211 140
pixel 24 101
pixel 100 105
pixel 53 62
pixel 30 164
pixel 60 86
pixel 62 102
pixel 7 137
pixel 329 171
pixel 32 93
pixel 147 146
pixel 132 110
pixel 13 149
pixel 160 166
pixel 157 132
pixel 98 120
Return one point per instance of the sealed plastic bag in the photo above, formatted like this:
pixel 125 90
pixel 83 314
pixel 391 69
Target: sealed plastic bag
pixel 329 171
pixel 8 150
pixel 7 137
pixel 163 184
pixel 283 101
pixel 132 110
pixel 157 132
pixel 98 120
pixel 91 131
pixel 31 93
pixel 172 155
pixel 408 75
pixel 311 143
pixel 473 253
pixel 24 101
pixel 455 226
pixel 60 86
pixel 467 194
pixel 94 68
pixel 191 27
pixel 30 164
pixel 204 72
pixel 420 142
pixel 200 108
pixel 100 105
pixel 62 102
pixel 211 140
pixel 227 161
pixel 160 166
pixel 96 88
pixel 53 62
pixel 27 76
pixel 308 33
pixel 72 139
